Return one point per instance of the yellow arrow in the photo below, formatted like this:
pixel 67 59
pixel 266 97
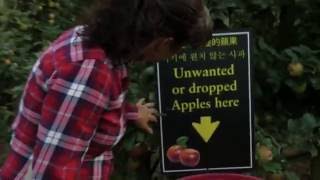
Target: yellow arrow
pixel 206 128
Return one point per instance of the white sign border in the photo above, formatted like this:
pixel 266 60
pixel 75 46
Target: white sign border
pixel 250 113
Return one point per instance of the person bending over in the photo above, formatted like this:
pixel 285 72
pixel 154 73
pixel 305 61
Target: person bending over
pixel 73 110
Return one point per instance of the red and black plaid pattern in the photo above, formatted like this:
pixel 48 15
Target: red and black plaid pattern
pixel 72 113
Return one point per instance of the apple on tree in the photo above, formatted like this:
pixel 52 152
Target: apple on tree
pixel 295 69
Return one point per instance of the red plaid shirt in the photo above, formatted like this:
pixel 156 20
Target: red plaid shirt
pixel 72 113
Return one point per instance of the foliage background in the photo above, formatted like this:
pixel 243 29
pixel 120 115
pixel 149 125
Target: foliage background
pixel 286 33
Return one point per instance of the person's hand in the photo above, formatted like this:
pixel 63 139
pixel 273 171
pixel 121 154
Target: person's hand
pixel 146 114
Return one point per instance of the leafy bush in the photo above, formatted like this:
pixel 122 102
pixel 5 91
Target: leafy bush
pixel 286 79
pixel 27 27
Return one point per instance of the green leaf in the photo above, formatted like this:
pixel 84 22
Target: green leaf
pixel 149 71
pixel 315 82
pixel 298 87
pixel 182 141
pixel 292 126
pixel 141 137
pixel 291 176
pixel 272 167
pixel 129 143
pixel 291 54
pixel 312 149
pixel 302 49
pixel 309 122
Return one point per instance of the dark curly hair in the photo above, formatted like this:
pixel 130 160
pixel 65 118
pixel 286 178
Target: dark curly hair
pixel 124 27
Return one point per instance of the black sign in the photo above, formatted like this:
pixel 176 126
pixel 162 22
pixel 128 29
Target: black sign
pixel 206 106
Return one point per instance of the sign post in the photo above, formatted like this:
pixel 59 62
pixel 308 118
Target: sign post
pixel 205 96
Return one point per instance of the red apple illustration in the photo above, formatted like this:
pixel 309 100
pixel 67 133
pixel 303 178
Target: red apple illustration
pixel 189 157
pixel 173 153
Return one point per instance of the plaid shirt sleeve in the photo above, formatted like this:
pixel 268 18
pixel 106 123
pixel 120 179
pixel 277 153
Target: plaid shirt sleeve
pixel 70 112
pixel 131 111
